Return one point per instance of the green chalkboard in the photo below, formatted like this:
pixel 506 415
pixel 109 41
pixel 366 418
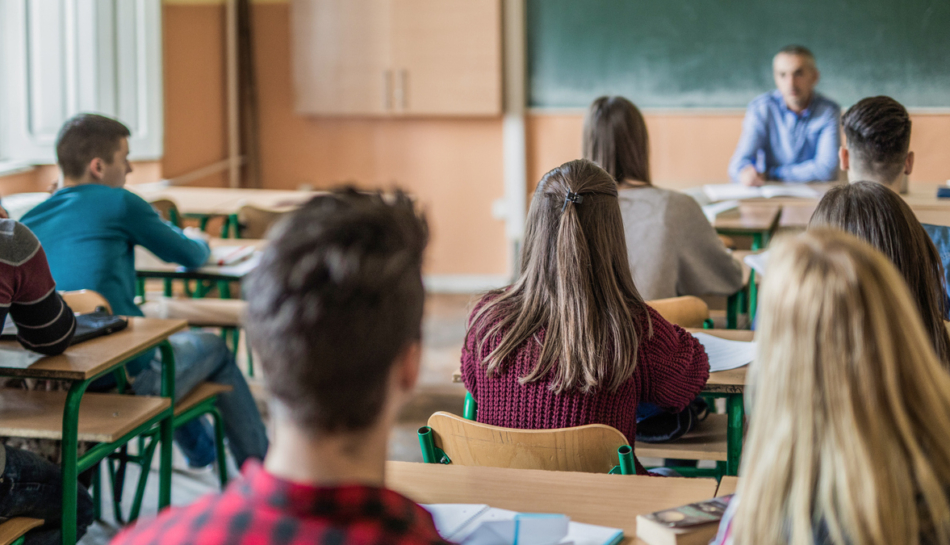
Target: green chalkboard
pixel 717 53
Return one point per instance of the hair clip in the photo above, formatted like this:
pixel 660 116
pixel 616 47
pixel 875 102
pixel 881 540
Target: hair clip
pixel 572 197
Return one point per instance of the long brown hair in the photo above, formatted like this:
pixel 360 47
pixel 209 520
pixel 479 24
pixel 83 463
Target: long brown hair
pixel 615 137
pixel 575 282
pixel 850 407
pixel 877 215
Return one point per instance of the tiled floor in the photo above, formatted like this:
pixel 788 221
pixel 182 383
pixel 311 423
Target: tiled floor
pixel 444 330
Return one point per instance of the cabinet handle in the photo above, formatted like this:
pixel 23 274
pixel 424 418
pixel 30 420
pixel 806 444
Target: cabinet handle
pixel 387 90
pixel 403 95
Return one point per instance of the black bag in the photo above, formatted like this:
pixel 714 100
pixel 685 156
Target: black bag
pixel 658 426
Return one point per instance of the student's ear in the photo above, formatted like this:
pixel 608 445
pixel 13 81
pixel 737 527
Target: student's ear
pixel 844 158
pixel 409 362
pixel 909 163
pixel 97 168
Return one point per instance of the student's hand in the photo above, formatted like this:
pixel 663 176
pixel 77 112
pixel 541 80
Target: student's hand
pixel 3 213
pixel 196 234
pixel 751 177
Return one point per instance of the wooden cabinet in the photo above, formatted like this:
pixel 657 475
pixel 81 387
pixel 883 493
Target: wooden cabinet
pixel 397 57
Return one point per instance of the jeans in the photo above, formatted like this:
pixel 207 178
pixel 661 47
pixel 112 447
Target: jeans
pixel 31 487
pixel 204 357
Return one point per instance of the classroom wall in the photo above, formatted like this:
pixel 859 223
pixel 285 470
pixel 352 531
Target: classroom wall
pixel 454 166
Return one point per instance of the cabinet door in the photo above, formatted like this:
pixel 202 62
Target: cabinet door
pixel 341 56
pixel 447 57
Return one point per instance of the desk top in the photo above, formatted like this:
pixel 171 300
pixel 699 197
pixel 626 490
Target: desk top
pixel 606 500
pixel 727 485
pixel 221 201
pixel 749 218
pixel 147 264
pixel 733 380
pixel 91 358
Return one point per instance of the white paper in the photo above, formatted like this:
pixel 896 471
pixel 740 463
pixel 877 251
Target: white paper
pixel 726 192
pixel 449 518
pixel 579 533
pixel 230 255
pixel 241 268
pixel 757 262
pixel 724 354
pixel 713 210
pixel 523 529
pixel 18 359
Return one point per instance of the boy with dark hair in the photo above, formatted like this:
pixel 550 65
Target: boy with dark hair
pixel 877 149
pixel 335 312
pixel 30 486
pixel 89 228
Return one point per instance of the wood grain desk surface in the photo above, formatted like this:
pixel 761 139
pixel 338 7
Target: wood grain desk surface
pixel 220 201
pixel 727 486
pixel 606 500
pixel 733 380
pixel 147 262
pixel 750 218
pixel 88 359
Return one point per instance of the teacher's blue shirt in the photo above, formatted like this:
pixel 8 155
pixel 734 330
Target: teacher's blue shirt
pixel 787 146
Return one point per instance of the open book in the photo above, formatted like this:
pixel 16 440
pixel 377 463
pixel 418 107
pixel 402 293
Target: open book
pixel 738 192
pixel 725 354
pixel 479 524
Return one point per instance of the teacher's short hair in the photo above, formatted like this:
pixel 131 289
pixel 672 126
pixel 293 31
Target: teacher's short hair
pixel 799 50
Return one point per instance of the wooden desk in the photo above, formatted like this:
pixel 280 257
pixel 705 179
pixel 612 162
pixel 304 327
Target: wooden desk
pixel 756 220
pixel 147 265
pixel 96 357
pixel 84 363
pixel 606 500
pixel 220 201
pixel 727 485
pixel 733 380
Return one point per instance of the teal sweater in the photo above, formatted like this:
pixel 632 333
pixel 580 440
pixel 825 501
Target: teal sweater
pixel 89 233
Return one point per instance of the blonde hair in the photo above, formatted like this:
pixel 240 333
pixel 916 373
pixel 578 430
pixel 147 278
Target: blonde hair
pixel 852 436
pixel 575 282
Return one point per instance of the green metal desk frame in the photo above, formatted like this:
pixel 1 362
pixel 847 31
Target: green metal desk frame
pixel 73 464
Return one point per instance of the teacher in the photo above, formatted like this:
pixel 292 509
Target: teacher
pixel 790 134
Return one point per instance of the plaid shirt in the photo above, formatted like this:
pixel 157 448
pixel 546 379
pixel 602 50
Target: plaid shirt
pixel 261 509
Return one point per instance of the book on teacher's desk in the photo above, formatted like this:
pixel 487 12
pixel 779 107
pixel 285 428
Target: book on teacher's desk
pixel 693 524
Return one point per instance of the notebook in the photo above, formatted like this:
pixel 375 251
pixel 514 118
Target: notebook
pixel 479 524
pixel 692 524
pixel 737 192
pixel 88 326
pixel 725 354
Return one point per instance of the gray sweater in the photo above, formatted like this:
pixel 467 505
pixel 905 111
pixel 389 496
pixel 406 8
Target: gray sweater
pixel 672 248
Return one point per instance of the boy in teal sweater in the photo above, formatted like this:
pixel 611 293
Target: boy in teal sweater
pixel 90 228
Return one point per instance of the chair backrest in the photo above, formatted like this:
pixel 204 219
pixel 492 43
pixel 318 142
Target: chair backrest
pixel 168 210
pixel 85 301
pixel 256 221
pixel 590 449
pixel 685 311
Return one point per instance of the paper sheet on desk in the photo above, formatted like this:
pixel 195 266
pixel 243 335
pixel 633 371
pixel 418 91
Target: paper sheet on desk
pixel 727 192
pixel 713 210
pixel 243 267
pixel 757 262
pixel 724 354
pixel 479 524
pixel 18 359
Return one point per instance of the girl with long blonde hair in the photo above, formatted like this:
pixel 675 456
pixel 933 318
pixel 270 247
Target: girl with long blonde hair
pixel 571 342
pixel 848 438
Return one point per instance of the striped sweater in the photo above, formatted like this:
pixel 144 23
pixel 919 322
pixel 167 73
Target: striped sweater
pixel 671 370
pixel 45 324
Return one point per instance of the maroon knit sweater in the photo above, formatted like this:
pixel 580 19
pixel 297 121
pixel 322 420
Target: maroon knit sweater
pixel 671 371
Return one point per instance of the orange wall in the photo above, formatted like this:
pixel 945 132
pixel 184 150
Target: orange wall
pixel 692 149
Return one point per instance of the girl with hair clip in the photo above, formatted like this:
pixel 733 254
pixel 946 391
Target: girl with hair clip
pixel 850 406
pixel 571 342
pixel 672 249
pixel 878 216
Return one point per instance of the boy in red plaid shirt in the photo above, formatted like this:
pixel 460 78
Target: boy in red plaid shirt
pixel 334 313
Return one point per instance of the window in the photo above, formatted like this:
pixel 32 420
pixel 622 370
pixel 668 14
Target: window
pixel 62 57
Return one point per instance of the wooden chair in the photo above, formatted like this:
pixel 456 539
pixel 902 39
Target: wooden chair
pixel 254 222
pixel 685 311
pixel 13 531
pixel 168 210
pixel 594 448
pixel 199 402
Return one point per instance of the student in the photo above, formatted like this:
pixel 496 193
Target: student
pixel 789 134
pixel 877 149
pixel 89 228
pixel 850 408
pixel 672 248
pixel 571 342
pixel 335 314
pixel 876 215
pixel 31 486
